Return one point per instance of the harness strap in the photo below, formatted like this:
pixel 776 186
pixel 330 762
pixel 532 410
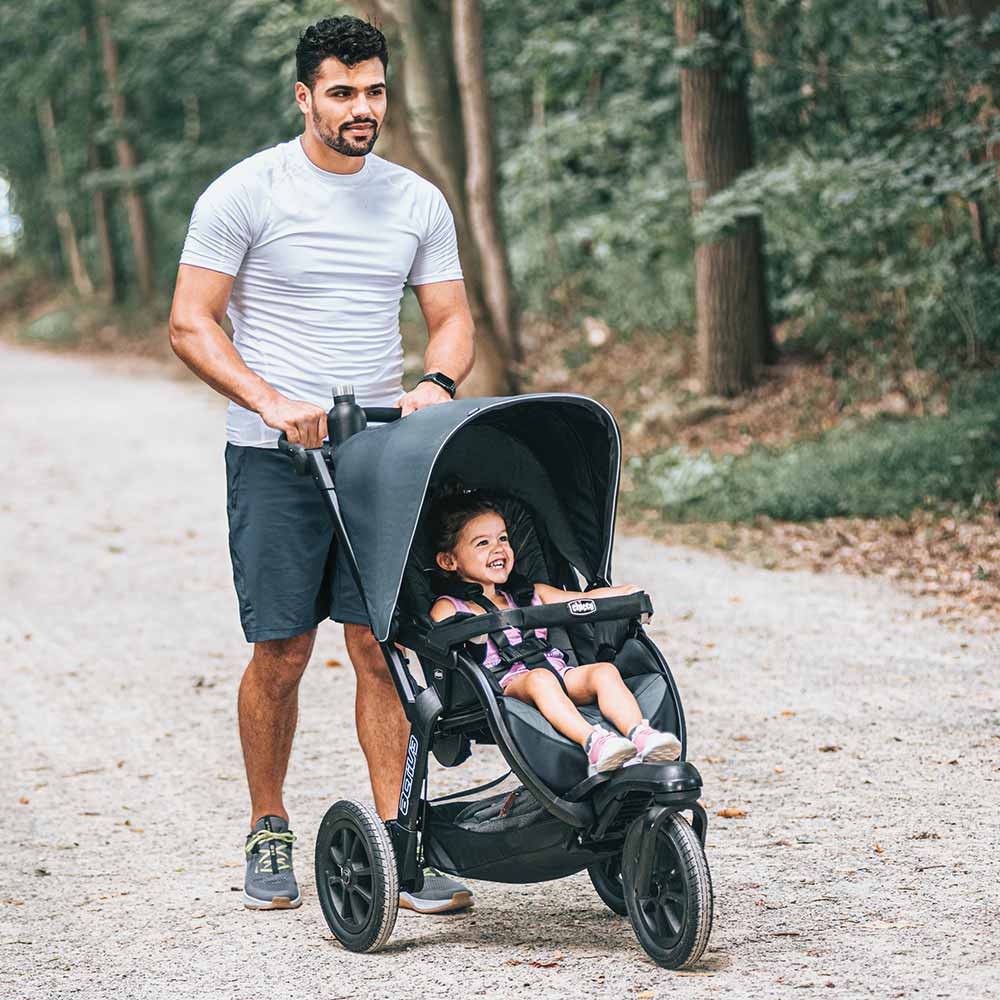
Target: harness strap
pixel 530 650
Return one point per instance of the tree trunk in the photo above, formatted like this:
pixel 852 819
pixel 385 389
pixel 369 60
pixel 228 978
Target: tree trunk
pixel 492 372
pixel 480 186
pixel 60 200
pixel 109 272
pixel 733 331
pixel 125 155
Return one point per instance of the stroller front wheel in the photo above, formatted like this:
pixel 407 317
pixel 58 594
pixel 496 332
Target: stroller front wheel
pixel 668 890
pixel 356 878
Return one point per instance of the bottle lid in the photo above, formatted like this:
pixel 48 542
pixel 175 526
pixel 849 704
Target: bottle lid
pixel 344 391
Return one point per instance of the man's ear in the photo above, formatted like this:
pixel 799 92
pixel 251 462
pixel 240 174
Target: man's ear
pixel 303 97
pixel 446 561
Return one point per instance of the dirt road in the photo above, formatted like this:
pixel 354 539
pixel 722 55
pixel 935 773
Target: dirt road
pixel 860 740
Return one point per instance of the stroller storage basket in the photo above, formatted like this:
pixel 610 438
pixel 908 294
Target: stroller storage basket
pixel 523 843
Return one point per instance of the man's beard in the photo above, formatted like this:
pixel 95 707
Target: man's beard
pixel 341 142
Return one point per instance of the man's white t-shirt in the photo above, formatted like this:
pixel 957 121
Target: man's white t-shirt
pixel 319 261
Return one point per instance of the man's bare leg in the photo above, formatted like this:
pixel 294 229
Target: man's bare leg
pixel 268 708
pixel 382 727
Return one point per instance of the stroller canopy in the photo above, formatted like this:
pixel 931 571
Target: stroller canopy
pixel 559 453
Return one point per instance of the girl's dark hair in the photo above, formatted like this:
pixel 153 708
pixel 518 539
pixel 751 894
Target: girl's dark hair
pixel 452 508
pixel 347 39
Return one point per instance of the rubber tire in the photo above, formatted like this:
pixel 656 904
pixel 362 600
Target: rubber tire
pixel 606 877
pixel 366 831
pixel 679 844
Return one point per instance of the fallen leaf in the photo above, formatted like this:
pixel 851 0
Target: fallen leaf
pixel 926 836
pixel 741 739
pixel 829 748
pixel 731 813
pixel 23 800
pixel 788 715
pixel 879 849
pixel 779 770
pixel 334 663
pixel 42 871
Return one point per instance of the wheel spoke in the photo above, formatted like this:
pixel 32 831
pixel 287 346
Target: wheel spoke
pixel 364 893
pixel 672 920
pixel 336 855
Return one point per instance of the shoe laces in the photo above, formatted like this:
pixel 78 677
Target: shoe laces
pixel 279 847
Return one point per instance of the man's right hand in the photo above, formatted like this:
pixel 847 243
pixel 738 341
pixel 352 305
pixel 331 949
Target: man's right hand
pixel 303 423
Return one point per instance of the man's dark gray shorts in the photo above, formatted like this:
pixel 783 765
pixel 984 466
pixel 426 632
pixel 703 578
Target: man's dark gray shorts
pixel 286 568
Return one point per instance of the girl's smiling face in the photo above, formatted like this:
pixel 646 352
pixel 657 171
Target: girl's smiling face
pixel 482 553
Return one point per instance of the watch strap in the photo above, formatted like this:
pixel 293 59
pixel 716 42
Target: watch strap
pixel 439 378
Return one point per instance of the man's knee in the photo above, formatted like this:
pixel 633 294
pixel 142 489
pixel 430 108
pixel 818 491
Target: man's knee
pixel 365 652
pixel 280 663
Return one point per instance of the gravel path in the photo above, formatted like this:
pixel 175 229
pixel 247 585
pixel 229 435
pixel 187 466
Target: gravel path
pixel 860 740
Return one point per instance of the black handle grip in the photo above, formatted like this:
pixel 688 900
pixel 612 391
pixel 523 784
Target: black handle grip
pixel 382 414
pixel 296 452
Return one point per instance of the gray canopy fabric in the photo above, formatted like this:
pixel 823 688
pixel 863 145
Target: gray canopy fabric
pixel 558 452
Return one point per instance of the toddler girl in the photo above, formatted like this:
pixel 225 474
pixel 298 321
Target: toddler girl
pixel 472 545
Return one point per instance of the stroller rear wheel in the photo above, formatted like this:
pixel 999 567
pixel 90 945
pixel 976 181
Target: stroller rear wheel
pixel 667 889
pixel 356 877
pixel 607 878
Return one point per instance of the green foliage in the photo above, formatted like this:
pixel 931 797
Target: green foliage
pixel 878 159
pixel 594 194
pixel 877 469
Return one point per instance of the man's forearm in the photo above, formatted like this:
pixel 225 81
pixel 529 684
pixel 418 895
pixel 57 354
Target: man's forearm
pixel 210 354
pixel 451 349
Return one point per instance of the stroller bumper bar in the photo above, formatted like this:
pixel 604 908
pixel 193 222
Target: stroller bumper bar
pixel 450 633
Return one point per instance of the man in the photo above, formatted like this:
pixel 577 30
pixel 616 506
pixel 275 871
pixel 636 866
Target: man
pixel 307 246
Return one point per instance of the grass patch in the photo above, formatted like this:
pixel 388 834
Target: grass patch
pixel 880 468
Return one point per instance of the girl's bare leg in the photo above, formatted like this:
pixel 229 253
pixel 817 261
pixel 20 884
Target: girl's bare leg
pixel 542 689
pixel 602 683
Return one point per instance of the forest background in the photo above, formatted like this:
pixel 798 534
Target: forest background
pixel 766 233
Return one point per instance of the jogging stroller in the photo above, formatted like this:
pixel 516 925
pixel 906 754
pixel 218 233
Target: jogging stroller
pixel 553 460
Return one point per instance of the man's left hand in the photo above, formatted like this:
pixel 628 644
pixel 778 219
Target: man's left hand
pixel 425 394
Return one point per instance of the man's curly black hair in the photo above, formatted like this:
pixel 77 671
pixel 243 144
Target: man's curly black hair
pixel 345 38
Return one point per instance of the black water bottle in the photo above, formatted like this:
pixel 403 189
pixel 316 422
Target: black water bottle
pixel 346 417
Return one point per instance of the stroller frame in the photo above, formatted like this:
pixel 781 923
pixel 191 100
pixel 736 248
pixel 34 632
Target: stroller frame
pixel 618 821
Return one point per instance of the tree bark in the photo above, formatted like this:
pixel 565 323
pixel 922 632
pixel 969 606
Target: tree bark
pixel 480 173
pixel 733 330
pixel 60 201
pixel 135 209
pixel 109 272
pixel 492 372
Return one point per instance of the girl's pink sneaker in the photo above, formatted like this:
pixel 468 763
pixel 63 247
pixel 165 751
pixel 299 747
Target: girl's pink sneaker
pixel 654 747
pixel 607 751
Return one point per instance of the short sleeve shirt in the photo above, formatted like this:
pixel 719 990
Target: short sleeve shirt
pixel 320 261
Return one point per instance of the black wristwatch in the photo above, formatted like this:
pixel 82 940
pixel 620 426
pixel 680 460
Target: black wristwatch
pixel 439 378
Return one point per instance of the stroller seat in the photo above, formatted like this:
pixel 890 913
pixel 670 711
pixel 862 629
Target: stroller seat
pixel 561 763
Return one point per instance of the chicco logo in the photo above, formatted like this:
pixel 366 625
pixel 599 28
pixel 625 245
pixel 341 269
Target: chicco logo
pixel 586 607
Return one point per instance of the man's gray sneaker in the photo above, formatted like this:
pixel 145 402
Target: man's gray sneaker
pixel 439 894
pixel 270 882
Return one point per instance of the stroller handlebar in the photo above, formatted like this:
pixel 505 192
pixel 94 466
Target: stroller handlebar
pixel 299 453
pixel 577 611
